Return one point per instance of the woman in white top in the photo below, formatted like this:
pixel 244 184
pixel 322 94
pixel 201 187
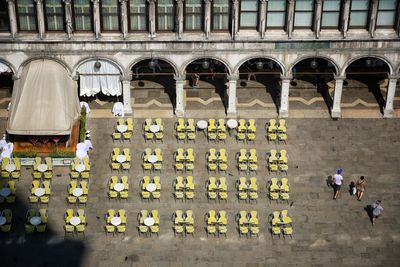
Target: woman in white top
pixel 337 182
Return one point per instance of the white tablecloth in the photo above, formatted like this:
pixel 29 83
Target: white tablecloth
pixel 118 109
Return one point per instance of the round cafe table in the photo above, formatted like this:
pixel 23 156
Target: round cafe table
pixel 121 158
pixel 116 221
pixel 11 167
pixel 77 192
pixel 232 124
pixel 202 124
pixel 154 128
pixel 149 221
pixel 35 220
pixel 80 167
pixel 75 221
pixel 151 187
pixel 3 220
pixel 152 158
pixel 42 167
pixel 39 192
pixel 5 192
pixel 119 187
pixel 122 128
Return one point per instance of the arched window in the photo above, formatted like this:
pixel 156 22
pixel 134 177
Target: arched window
pixel 386 13
pixel 193 15
pixel 165 15
pixel 83 15
pixel 137 15
pixel 303 14
pixel 276 14
pixel 330 14
pixel 26 13
pixel 359 14
pixel 55 19
pixel 109 15
pixel 248 13
pixel 220 15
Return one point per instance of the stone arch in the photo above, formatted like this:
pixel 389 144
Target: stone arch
pixel 329 59
pixel 59 61
pixel 8 64
pixel 109 60
pixel 398 70
pixel 191 60
pixel 240 63
pixel 136 61
pixel 348 63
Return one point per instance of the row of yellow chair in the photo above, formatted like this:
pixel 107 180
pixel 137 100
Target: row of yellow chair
pixel 40 228
pixel 149 135
pixel 71 228
pixel 248 223
pixel 147 165
pixel 10 188
pixel 112 193
pixel 7 214
pixel 184 160
pixel 184 188
pixel 81 185
pixel 281 223
pixel 217 189
pixel 246 131
pixel 126 165
pixel 217 223
pixel 278 162
pixel 183 222
pixel 127 135
pixel 119 228
pixel 185 131
pixel 276 132
pixel 148 229
pixel 216 131
pixel 279 189
pixel 217 161
pixel 247 161
pixel 44 199
pixel 145 193
pixel 83 174
pixel 15 174
pixel 48 174
pixel 248 189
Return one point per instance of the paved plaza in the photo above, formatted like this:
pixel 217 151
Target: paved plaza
pixel 326 232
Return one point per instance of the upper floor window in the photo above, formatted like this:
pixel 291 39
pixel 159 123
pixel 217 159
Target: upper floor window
pixel 386 13
pixel 330 14
pixel 109 15
pixel 248 13
pixel 54 10
pixel 193 15
pixel 165 15
pixel 26 15
pixel 220 15
pixel 359 14
pixel 4 20
pixel 83 15
pixel 276 14
pixel 303 13
pixel 137 15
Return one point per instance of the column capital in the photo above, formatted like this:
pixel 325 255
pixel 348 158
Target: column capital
pixel 393 77
pixel 151 1
pixel 179 78
pixel 235 1
pixel 122 1
pixel 207 1
pixel 126 77
pixel 339 77
pixel 179 1
pixel 233 77
pixel 286 77
pixel 67 2
pixel 95 1
pixel 38 1
pixel 10 1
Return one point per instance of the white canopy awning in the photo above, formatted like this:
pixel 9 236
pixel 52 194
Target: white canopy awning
pixel 44 101
pixel 105 78
pixel 4 68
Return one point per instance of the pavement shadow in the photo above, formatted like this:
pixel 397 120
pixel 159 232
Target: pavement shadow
pixel 368 209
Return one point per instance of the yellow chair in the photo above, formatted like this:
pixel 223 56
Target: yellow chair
pixel 222 156
pixel 241 130
pixel 178 217
pixel 80 228
pixel 127 135
pixel 253 189
pixel 47 189
pixel 129 121
pixel 285 218
pixel 222 222
pixel 221 130
pixel 72 199
pixel 144 193
pixel 157 193
pixel 29 228
pixel 243 223
pixel 276 220
pixel 82 216
pixel 142 215
pixel 189 217
pixel 222 189
pixel 121 228
pixel 276 230
pixel 212 188
pixel 110 228
pixel 282 136
pixel 189 186
pixel 33 199
pixel 121 121
pixel 84 186
pixel 242 188
pixel 211 130
pixel 68 215
pixel 191 130
pixel 122 215
pixel 274 189
pixel 251 130
pixel 69 228
pixel 82 199
pixel 154 214
pixel 287 230
pixel 41 228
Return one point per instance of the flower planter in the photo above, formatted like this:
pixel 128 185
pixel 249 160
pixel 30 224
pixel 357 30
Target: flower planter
pixel 56 161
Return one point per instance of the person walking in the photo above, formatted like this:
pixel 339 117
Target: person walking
pixel 376 210
pixel 337 182
pixel 360 186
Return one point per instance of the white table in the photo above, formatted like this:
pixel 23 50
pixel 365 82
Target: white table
pixel 116 221
pixel 232 124
pixel 118 109
pixel 149 221
pixel 154 128
pixel 75 221
pixel 11 167
pixel 152 158
pixel 5 192
pixel 119 187
pixel 81 154
pixel 39 192
pixel 202 124
pixel 42 167
pixel 80 168
pixel 77 192
pixel 35 220
pixel 3 220
pixel 151 187
pixel 121 158
pixel 122 128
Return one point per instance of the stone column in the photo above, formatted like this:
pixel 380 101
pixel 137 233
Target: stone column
pixel 124 18
pixel 290 18
pixel 345 17
pixel 126 93
pixel 179 105
pixel 337 97
pixel 207 17
pixel 96 18
pixel 317 18
pixel 179 18
pixel 372 18
pixel 40 18
pixel 263 19
pixel 397 24
pixel 389 111
pixel 152 18
pixel 68 18
pixel 284 105
pixel 232 99
pixel 235 18
pixel 13 18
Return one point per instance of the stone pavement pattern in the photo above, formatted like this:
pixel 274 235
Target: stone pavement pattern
pixel 326 232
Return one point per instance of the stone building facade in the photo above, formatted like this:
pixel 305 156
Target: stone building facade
pixel 179 32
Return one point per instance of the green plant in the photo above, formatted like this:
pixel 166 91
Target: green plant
pixel 82 129
pixel 59 153
pixel 25 154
